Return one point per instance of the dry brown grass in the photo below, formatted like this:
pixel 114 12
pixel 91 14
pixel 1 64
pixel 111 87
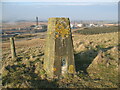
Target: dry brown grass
pixel 24 43
pixel 84 46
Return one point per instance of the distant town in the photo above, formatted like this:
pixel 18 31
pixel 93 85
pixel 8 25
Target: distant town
pixel 22 27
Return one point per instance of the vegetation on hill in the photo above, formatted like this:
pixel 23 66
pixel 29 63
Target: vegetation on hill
pixel 97 30
pixel 96 61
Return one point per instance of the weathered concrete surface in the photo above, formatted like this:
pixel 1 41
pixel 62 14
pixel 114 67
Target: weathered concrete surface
pixel 59 57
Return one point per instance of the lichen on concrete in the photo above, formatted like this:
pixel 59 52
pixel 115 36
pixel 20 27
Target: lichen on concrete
pixel 59 46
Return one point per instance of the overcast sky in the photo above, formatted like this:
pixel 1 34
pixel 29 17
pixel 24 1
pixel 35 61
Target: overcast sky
pixel 79 10
pixel 59 0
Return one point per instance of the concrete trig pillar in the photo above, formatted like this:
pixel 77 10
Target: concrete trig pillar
pixel 59 56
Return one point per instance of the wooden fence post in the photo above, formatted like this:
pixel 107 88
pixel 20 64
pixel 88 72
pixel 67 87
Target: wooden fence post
pixel 12 45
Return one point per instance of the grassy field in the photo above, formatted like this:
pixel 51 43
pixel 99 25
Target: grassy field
pixel 97 30
pixel 96 61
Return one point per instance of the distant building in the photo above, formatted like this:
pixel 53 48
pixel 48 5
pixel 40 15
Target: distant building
pixel 44 26
pixel 101 25
pixel 38 27
pixel 79 25
pixel 71 25
pixel 91 25
pixel 110 25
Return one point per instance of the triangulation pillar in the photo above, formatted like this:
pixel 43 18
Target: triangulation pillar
pixel 59 56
